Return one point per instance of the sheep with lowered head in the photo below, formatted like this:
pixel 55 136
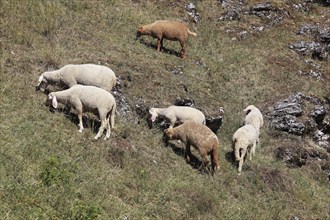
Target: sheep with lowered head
pixel 84 74
pixel 88 98
pixel 178 114
pixel 167 29
pixel 201 138
pixel 253 117
pixel 244 140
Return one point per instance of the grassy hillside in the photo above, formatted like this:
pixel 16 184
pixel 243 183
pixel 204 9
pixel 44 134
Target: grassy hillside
pixel 49 170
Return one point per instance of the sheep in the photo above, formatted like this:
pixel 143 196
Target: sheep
pixel 171 30
pixel 201 138
pixel 84 74
pixel 88 98
pixel 178 114
pixel 244 140
pixel 253 117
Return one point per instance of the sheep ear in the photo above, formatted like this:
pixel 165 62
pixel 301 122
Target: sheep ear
pixel 247 110
pixel 41 78
pixel 153 116
pixel 54 102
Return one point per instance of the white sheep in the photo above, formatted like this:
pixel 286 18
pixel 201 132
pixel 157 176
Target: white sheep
pixel 88 98
pixel 254 117
pixel 244 140
pixel 84 74
pixel 178 114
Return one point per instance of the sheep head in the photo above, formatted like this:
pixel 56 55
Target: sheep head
pixel 154 114
pixel 41 83
pixel 248 109
pixel 139 32
pixel 169 133
pixel 52 99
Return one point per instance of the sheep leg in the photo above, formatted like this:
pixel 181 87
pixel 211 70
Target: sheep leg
pixel 172 122
pixel 81 127
pixel 240 163
pixel 108 129
pixel 253 149
pixel 158 44
pixel 161 44
pixel 103 125
pixel 77 106
pixel 183 51
pixel 188 152
pixel 205 161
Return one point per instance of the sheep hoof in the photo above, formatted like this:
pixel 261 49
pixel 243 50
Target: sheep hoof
pixel 96 137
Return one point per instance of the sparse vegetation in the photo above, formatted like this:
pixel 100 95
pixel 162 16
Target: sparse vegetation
pixel 50 171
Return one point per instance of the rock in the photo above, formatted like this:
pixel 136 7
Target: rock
pixel 318 113
pixel 200 63
pixel 214 123
pixel 319 48
pixel 192 11
pixel 123 107
pixel 296 155
pixel 304 47
pixel 312 73
pixel 177 70
pixel 322 139
pixel 184 102
pixel 308 29
pixel 304 7
pixel 303 115
pixel 243 34
pixel 289 123
pixel 233 10
pixel 265 6
pixel 287 108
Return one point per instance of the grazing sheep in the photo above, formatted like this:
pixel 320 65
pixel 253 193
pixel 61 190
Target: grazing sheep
pixel 244 139
pixel 171 30
pixel 201 138
pixel 178 114
pixel 88 98
pixel 84 74
pixel 253 117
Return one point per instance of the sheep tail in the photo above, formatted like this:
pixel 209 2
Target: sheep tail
pixel 214 159
pixel 112 116
pixel 192 33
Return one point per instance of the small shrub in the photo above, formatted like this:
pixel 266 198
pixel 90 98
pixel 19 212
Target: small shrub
pixel 55 172
pixel 85 211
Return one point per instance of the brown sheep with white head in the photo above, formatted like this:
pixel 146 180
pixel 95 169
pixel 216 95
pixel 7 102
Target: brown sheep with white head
pixel 201 138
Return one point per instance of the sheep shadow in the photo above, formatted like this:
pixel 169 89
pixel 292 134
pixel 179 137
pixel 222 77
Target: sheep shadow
pixel 230 157
pixel 92 123
pixel 165 50
pixel 194 162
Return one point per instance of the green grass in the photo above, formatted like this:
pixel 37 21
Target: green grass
pixel 50 171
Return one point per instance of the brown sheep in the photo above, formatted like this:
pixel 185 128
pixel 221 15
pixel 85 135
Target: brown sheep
pixel 171 30
pixel 201 138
